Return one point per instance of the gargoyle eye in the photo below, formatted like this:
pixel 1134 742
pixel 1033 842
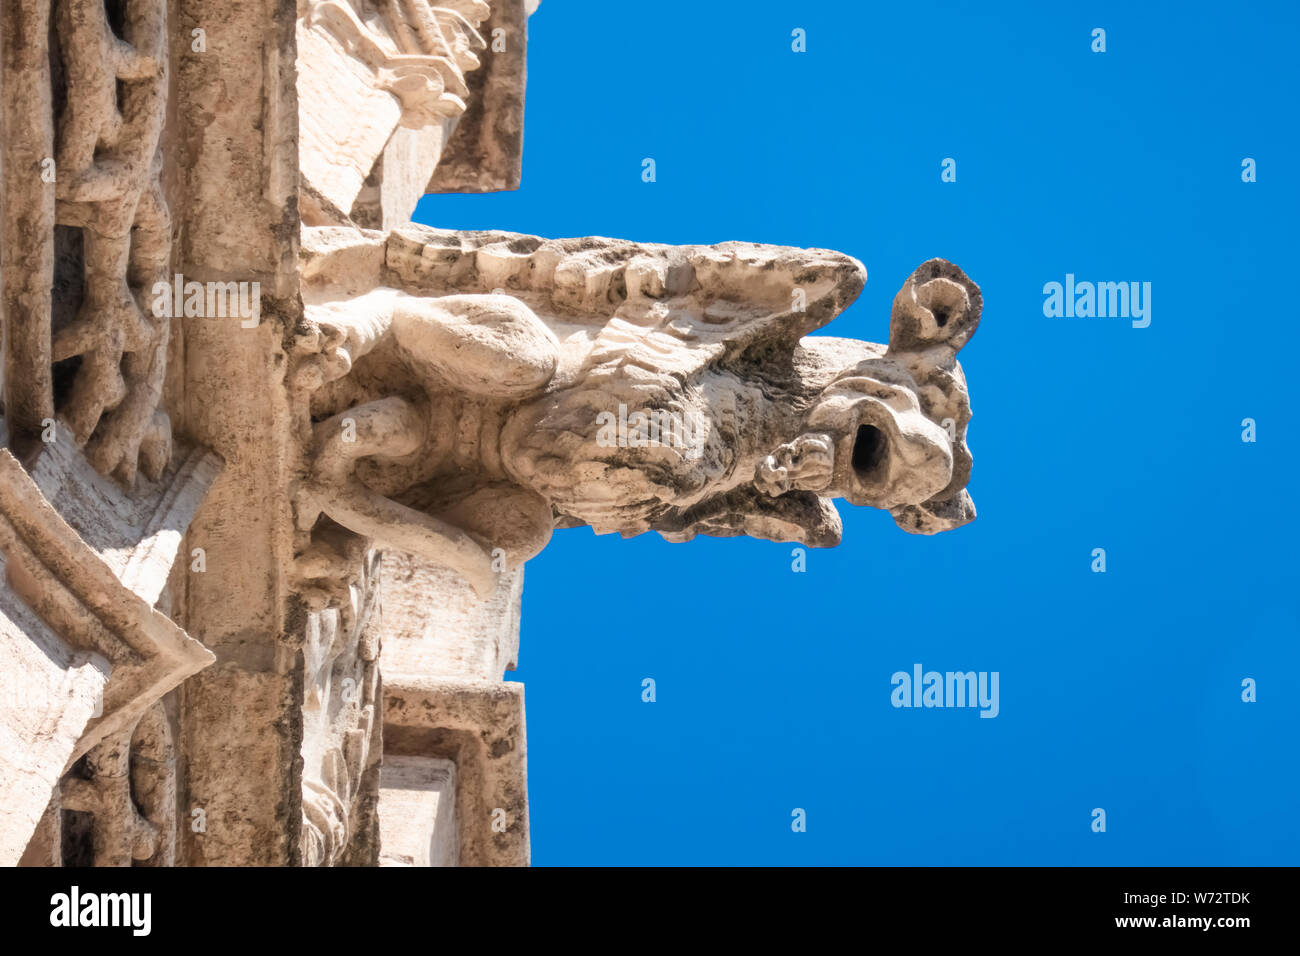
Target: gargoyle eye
pixel 870 446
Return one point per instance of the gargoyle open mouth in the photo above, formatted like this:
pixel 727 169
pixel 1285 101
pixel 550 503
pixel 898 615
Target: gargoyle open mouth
pixel 870 453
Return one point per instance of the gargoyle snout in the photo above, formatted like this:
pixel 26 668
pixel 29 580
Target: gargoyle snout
pixel 887 453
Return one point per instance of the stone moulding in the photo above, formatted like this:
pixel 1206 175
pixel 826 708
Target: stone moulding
pixel 90 562
pixel 83 593
pixel 48 692
pixel 479 726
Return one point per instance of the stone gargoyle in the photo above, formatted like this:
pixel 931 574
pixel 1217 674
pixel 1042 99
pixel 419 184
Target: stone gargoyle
pixel 471 392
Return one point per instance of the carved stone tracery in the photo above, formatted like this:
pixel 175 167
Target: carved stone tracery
pixel 113 105
pixel 127 786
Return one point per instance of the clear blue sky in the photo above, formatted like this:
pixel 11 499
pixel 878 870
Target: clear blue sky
pixel 1119 690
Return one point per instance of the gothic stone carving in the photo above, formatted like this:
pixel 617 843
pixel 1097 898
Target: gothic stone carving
pixel 341 727
pixel 367 70
pixel 453 396
pixel 98 179
pixel 122 797
pixel 83 118
pixel 382 85
pixel 87 235
pixel 471 392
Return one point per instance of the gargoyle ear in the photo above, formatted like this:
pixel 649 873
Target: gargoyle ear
pixel 937 305
pixel 800 517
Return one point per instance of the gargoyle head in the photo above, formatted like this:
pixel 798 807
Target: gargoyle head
pixel 890 431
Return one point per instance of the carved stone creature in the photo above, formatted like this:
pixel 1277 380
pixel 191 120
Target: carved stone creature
pixel 463 394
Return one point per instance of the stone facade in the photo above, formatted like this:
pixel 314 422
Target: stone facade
pixel 274 457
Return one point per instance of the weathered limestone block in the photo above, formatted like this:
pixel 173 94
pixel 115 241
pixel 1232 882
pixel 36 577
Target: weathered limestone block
pixel 232 139
pixel 450 786
pixel 472 392
pixel 435 624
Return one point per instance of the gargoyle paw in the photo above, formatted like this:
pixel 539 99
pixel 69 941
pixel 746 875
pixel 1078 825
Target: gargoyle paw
pixel 805 463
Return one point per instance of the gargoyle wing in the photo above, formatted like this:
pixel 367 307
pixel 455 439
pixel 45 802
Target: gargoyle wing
pixel 615 303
